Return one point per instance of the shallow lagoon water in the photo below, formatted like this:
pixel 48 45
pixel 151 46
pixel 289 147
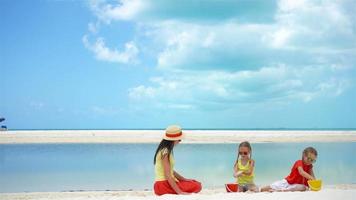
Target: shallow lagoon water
pixel 66 167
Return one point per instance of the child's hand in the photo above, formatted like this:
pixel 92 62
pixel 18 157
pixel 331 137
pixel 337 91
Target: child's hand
pixel 237 174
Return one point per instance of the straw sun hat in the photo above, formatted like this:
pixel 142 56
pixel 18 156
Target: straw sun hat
pixel 173 133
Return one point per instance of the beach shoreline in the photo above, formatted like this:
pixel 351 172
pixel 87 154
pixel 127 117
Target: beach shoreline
pixel 191 136
pixel 345 192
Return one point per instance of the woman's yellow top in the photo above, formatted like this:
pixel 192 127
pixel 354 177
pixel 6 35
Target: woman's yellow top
pixel 245 179
pixel 159 169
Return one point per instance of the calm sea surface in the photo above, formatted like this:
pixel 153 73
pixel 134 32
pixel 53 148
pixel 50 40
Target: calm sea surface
pixel 63 167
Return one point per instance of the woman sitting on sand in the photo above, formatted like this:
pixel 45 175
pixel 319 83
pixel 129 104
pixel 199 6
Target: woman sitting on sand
pixel 167 180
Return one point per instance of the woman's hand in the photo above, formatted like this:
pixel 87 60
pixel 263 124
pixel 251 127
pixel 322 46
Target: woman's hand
pixel 184 193
pixel 180 177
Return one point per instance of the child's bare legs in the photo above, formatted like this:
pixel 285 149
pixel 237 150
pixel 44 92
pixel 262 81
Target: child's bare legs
pixel 266 189
pixel 300 188
pixel 242 188
pixel 296 188
pixel 252 188
pixel 248 187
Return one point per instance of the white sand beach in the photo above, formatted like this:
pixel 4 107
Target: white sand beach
pixel 154 136
pixel 346 192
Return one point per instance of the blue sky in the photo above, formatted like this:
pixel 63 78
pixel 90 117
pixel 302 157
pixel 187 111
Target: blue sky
pixel 99 64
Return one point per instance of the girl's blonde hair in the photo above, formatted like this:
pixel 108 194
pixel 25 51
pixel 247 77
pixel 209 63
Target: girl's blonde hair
pixel 310 150
pixel 243 144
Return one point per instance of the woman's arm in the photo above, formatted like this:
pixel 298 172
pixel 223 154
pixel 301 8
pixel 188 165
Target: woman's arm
pixel 179 177
pixel 305 174
pixel 167 174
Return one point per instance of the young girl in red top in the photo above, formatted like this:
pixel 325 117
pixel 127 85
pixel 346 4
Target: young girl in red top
pixel 301 172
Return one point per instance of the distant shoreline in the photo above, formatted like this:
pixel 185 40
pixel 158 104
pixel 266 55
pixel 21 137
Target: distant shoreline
pixel 192 136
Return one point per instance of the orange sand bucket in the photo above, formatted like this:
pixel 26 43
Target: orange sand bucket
pixel 231 187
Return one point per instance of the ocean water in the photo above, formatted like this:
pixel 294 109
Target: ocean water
pixel 67 167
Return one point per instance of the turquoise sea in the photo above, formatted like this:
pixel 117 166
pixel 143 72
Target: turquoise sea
pixel 68 167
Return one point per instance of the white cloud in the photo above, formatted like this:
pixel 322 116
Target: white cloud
pixel 277 84
pixel 142 91
pixel 225 45
pixel 315 58
pixel 307 52
pixel 102 52
pixel 291 5
pixel 317 24
pixel 123 10
pixel 310 30
pixel 280 37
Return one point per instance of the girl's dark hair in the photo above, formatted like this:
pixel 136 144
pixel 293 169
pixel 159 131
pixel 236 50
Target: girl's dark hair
pixel 164 144
pixel 243 144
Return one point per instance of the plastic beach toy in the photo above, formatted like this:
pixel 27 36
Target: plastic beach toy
pixel 315 185
pixel 231 187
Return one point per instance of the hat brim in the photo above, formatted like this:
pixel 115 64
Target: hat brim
pixel 174 138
